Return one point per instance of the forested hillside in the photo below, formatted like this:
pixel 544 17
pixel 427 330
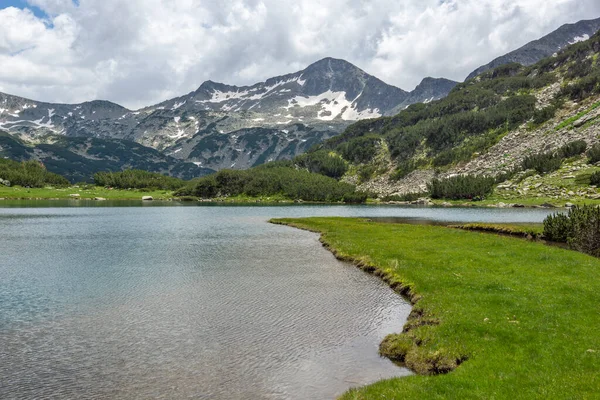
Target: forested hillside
pixel 28 174
pixel 277 179
pixel 485 126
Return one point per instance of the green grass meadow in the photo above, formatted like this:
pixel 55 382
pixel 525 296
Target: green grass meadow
pixel 512 319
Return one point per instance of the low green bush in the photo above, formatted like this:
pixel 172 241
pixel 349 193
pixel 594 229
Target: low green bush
pixel 557 228
pixel 543 115
pixel 595 178
pixel 137 179
pixel 355 198
pixel 579 69
pixel 231 181
pixel 505 176
pixel 291 183
pixel 580 228
pixel 444 158
pixel 583 87
pixel 543 163
pixel 206 188
pixel 366 172
pixel 462 187
pixel 573 149
pixel 29 174
pixel 322 162
pixel 360 150
pixel 594 154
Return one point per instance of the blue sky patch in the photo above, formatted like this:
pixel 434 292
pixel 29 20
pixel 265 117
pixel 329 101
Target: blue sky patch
pixel 22 5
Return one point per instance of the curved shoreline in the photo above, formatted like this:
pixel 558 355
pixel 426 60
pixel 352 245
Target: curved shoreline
pixel 395 346
pixel 521 315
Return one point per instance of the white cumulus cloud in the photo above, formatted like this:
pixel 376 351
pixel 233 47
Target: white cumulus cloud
pixel 140 52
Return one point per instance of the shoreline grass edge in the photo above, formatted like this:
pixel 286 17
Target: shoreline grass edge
pixel 396 347
pixel 521 314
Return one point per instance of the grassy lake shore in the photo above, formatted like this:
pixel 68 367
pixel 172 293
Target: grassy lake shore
pixel 526 230
pixel 84 192
pixel 506 318
pixel 91 192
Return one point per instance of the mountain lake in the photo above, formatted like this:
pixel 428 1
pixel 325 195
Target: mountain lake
pixel 176 300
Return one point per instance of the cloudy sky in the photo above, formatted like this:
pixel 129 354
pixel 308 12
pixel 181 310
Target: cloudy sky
pixel 140 52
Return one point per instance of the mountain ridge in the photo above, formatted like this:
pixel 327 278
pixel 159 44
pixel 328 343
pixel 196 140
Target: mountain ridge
pixel 534 51
pixel 293 109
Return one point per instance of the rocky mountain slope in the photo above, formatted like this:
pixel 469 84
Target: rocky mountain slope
pixel 544 47
pixel 222 126
pixel 486 127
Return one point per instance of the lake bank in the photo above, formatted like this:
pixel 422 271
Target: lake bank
pixel 79 193
pixel 97 193
pixel 521 314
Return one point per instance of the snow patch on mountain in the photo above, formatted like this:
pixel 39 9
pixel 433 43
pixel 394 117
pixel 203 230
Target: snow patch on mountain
pixel 178 105
pixel 333 105
pixel 581 38
pixel 218 96
pixel 36 124
pixel 180 132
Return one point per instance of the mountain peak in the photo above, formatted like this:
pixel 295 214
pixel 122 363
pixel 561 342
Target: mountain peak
pixel 331 62
pixel 103 104
pixel 327 90
pixel 210 84
pixel 430 82
pixel 429 79
pixel 329 66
